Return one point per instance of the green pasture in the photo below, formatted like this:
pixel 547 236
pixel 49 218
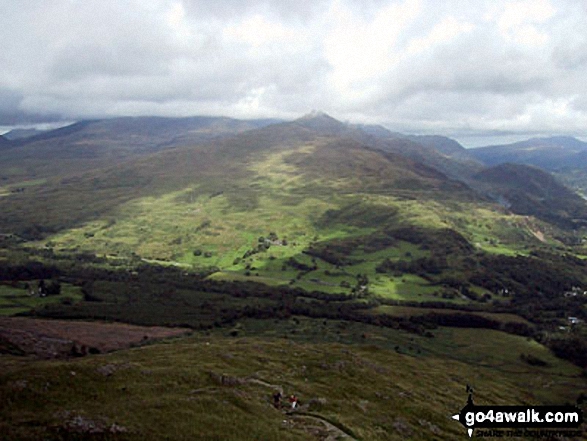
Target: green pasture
pixel 17 299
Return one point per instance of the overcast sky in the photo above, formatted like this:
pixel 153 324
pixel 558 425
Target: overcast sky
pixel 463 68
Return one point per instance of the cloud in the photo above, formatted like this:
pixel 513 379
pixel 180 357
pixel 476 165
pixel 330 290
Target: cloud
pixel 417 65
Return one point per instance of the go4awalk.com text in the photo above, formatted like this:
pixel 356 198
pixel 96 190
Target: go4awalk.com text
pixel 527 421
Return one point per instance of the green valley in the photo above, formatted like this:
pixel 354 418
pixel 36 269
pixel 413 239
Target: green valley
pixel 344 264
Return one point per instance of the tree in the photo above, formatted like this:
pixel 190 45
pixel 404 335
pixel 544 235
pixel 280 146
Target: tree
pixel 54 288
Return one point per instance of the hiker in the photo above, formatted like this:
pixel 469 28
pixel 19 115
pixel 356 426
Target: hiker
pixel 277 400
pixel 294 401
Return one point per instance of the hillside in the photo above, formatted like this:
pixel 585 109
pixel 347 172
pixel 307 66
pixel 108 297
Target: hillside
pixel 551 153
pixel 220 387
pixel 446 146
pixel 4 142
pixel 319 184
pixel 565 157
pixel 16 134
pixel 531 191
pixel 298 158
pixel 302 204
pixel 439 152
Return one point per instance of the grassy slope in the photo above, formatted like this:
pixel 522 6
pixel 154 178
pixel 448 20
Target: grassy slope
pixel 166 390
pixel 289 182
pixel 532 191
pixel 88 145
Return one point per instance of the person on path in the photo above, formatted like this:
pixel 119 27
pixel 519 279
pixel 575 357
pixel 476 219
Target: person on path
pixel 277 399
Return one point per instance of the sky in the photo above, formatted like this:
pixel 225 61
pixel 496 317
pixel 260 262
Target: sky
pixel 474 70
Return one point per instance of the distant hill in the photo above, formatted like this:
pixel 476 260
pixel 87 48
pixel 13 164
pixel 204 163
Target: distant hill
pixel 552 153
pixel 529 190
pixel 16 134
pixel 91 144
pixel 446 146
pixel 4 141
pixel 95 166
pixel 439 152
pixel 313 156
pixel 95 170
pixel 566 157
pixel 313 204
pixel 323 123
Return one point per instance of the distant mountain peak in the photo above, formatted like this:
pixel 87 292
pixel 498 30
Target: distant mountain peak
pixel 556 139
pixel 316 114
pixel 322 122
pixel 16 134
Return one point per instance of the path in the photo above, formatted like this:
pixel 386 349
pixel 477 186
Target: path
pixel 334 433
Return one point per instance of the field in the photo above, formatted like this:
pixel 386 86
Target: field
pixel 205 231
pixel 18 299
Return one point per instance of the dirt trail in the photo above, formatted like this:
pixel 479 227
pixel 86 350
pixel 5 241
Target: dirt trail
pixel 264 383
pixel 333 432
pixel 299 418
pixel 534 230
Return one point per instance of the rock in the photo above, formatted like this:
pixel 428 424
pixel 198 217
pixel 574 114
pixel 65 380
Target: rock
pixel 316 404
pixel 226 380
pixel 363 405
pixel 76 423
pixel 432 427
pixel 402 426
pixel 107 370
pixel 19 385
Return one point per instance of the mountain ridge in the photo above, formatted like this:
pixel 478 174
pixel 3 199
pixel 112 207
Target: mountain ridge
pixel 550 153
pixel 91 144
pixel 529 190
pixel 318 160
pixel 319 155
pixel 4 142
pixel 565 157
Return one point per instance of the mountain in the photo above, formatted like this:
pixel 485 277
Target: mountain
pixel 314 157
pixel 16 134
pixel 445 145
pixel 323 123
pixel 308 157
pixel 4 142
pixel 552 153
pixel 530 190
pixel 91 144
pixel 565 157
pixel 439 152
pixel 312 203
